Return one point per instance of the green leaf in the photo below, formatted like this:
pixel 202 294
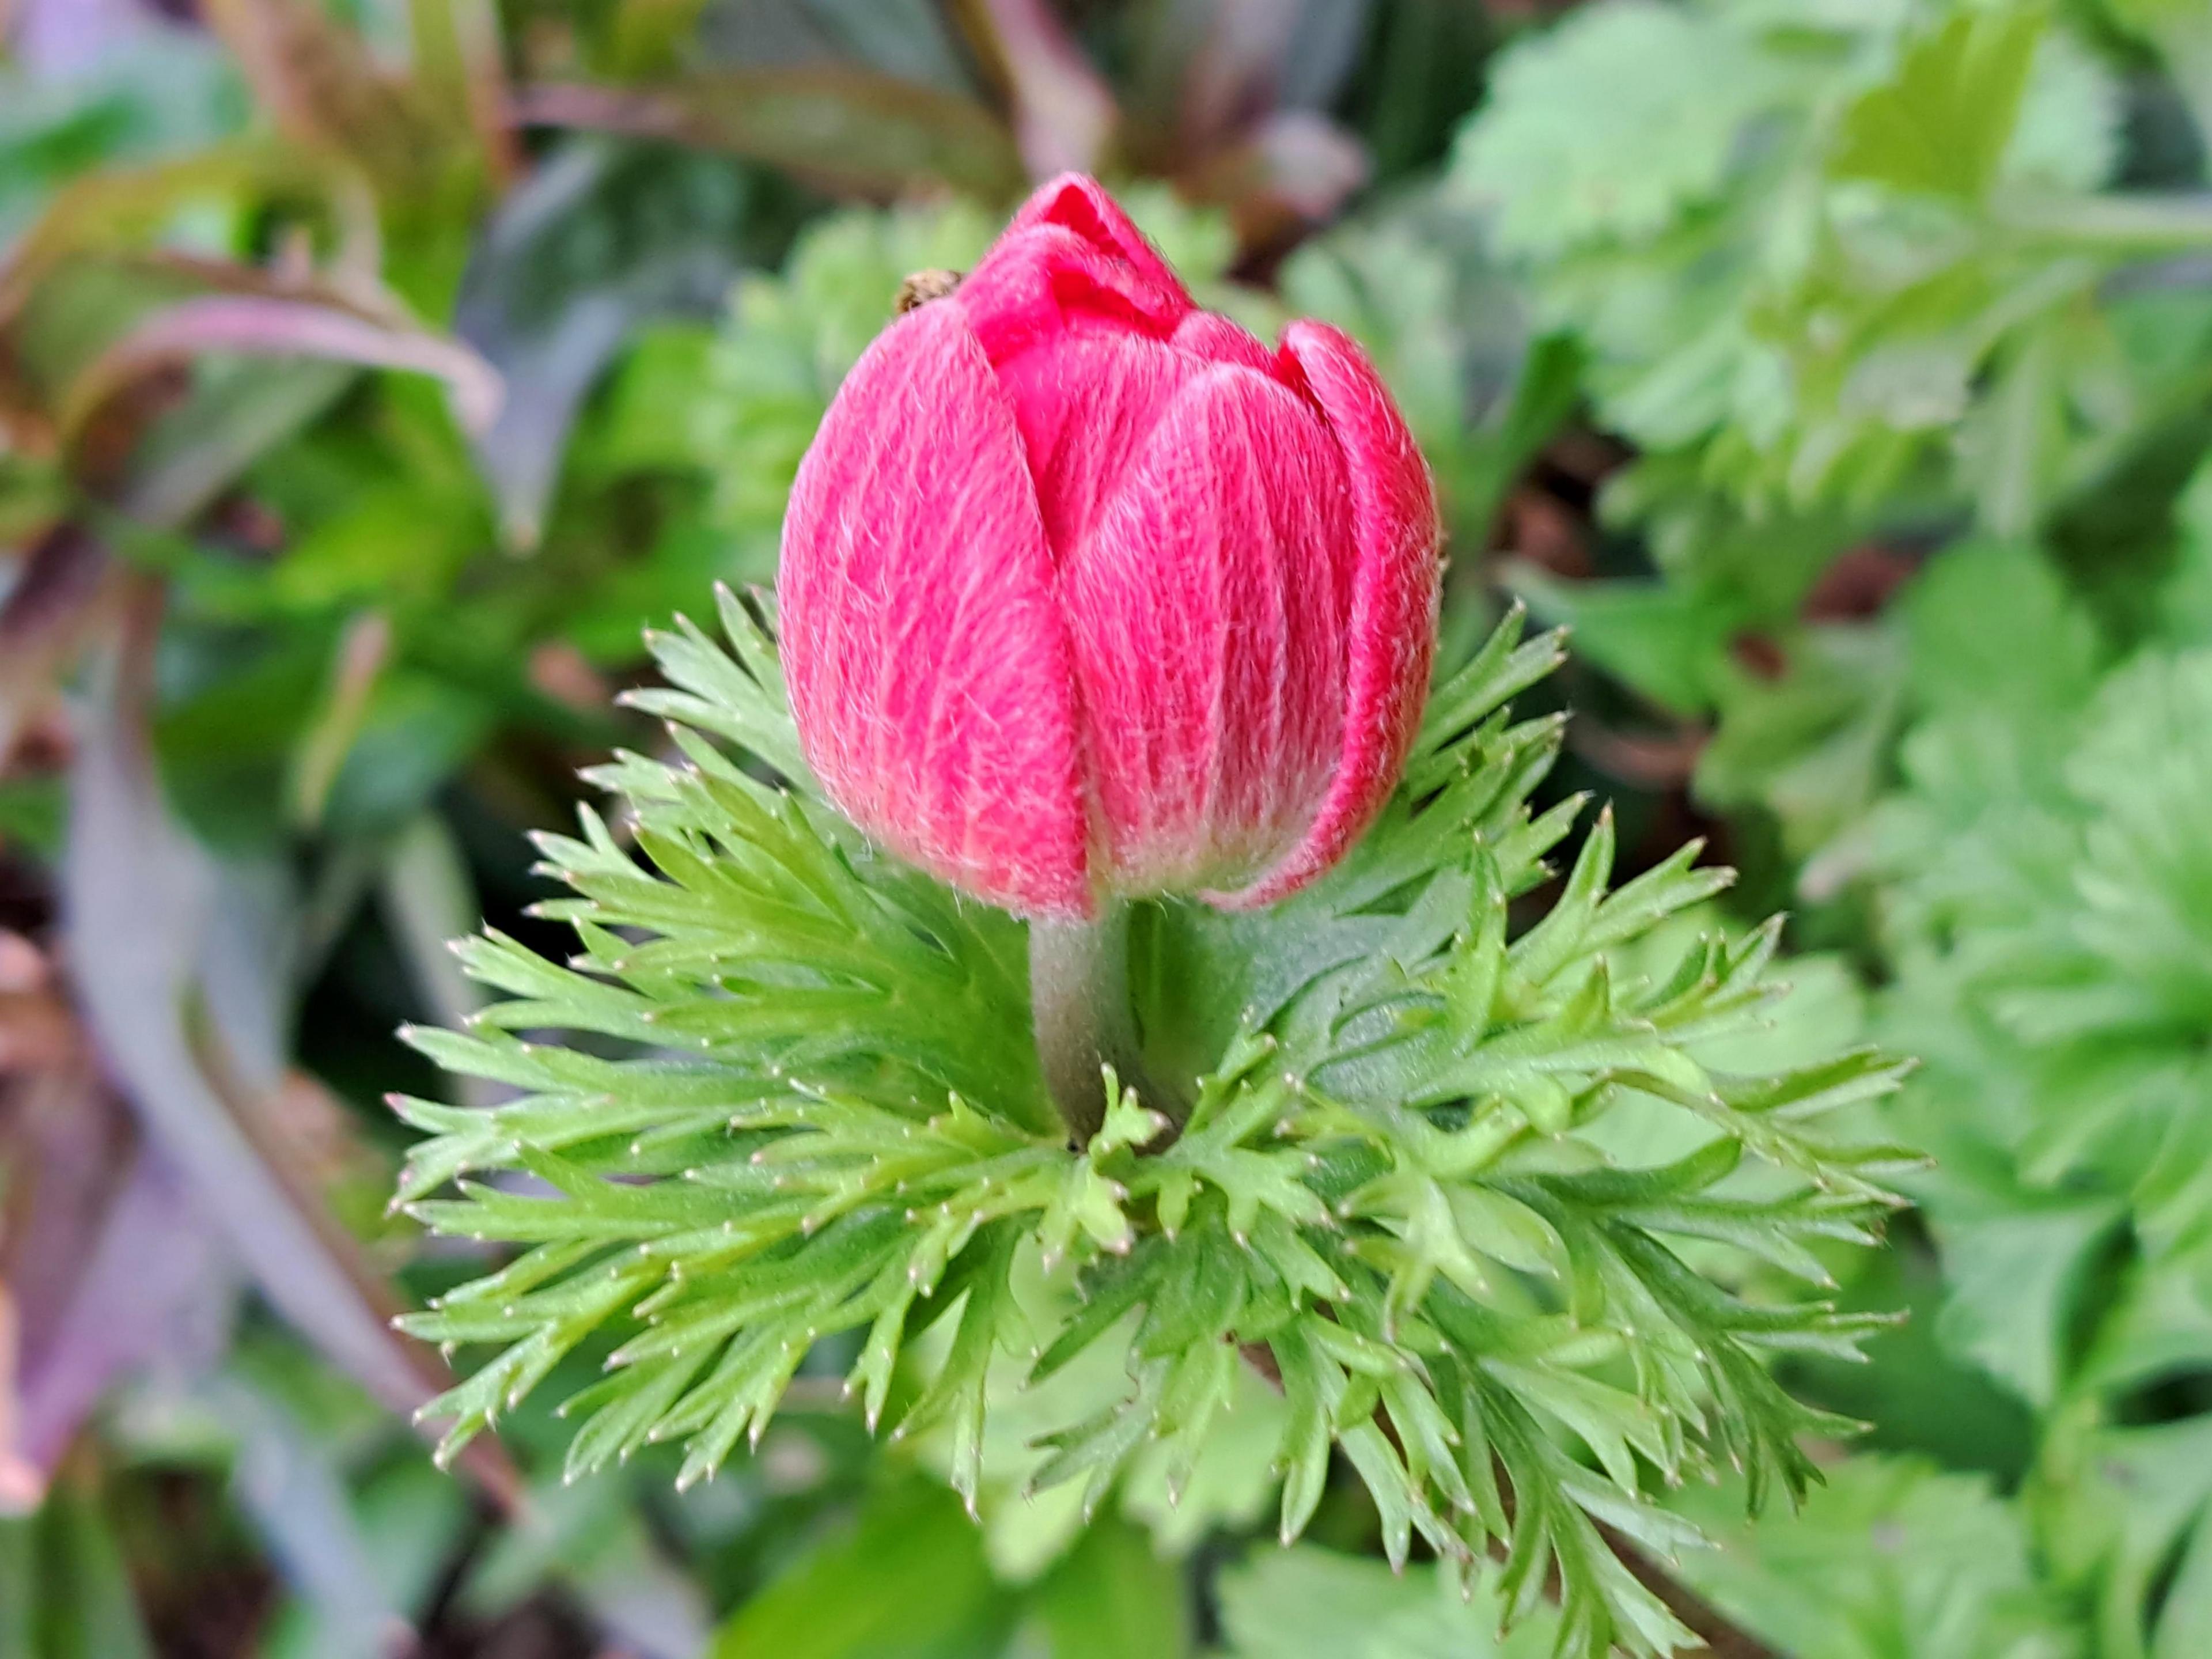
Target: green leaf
pixel 1395 1117
pixel 2122 1507
pixel 1993 628
pixel 2182 35
pixel 906 1581
pixel 845 127
pixel 1892 1559
pixel 1114 1598
pixel 1417 284
pixel 65 1591
pixel 1943 122
pixel 1313 1603
pixel 2017 1271
pixel 1608 125
pixel 1827 262
pixel 1666 639
pixel 601 238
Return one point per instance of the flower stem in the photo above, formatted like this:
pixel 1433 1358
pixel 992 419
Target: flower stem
pixel 1080 1008
pixel 2145 223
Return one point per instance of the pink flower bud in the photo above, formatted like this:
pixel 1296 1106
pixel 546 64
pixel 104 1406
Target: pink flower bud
pixel 1086 593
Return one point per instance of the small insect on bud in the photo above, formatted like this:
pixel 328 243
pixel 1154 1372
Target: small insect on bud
pixel 1088 595
pixel 923 286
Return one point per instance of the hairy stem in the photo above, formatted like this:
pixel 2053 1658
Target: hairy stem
pixel 1080 1006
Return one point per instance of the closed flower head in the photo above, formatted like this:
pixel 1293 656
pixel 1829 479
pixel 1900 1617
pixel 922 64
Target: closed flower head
pixel 1087 594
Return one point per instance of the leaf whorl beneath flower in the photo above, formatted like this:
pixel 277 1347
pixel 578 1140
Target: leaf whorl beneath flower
pixel 1517 1238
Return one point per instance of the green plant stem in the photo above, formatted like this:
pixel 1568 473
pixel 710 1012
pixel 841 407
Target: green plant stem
pixel 2146 223
pixel 1079 1008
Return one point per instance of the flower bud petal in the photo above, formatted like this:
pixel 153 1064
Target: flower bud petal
pixel 1391 632
pixel 1047 284
pixel 1087 405
pixel 1078 202
pixel 923 647
pixel 1206 611
pixel 1087 594
pixel 1210 335
pixel 1070 261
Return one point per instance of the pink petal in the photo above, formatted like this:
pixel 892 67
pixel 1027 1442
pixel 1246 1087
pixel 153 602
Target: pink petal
pixel 1086 404
pixel 1210 335
pixel 1079 203
pixel 1206 611
pixel 1070 260
pixel 1393 600
pixel 1038 285
pixel 926 660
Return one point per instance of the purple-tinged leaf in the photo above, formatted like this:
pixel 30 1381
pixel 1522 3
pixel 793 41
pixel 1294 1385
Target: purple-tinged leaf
pixel 124 211
pixel 105 1268
pixel 193 453
pixel 1292 169
pixel 22 1482
pixel 849 130
pixel 672 228
pixel 1064 112
pixel 364 651
pixel 288 1481
pixel 1264 56
pixel 56 39
pixel 66 1144
pixel 156 1286
pixel 144 909
pixel 319 80
pixel 42 618
pixel 262 327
